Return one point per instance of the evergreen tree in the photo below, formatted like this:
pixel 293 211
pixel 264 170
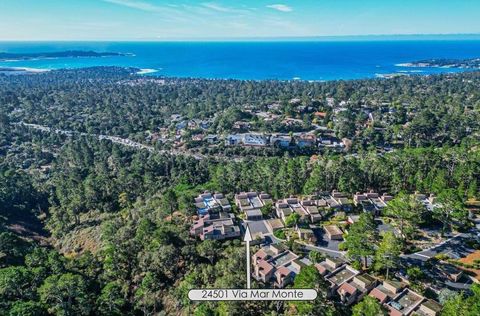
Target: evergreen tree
pixel 361 239
pixel 387 256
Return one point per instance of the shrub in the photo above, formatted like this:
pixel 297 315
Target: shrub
pixel 280 234
pixel 442 256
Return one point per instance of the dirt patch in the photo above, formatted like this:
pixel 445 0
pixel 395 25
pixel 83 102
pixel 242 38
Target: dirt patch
pixel 80 240
pixel 470 259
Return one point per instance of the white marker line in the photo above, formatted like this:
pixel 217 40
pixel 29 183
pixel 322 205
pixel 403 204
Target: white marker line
pixel 248 239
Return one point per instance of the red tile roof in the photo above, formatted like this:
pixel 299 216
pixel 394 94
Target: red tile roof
pixel 283 271
pixel 264 266
pixel 320 114
pixel 347 288
pixel 320 268
pixel 261 254
pixel 379 295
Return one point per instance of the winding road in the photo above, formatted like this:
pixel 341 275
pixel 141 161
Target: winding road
pixel 114 139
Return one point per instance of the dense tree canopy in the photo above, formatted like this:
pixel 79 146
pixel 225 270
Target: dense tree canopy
pixel 108 224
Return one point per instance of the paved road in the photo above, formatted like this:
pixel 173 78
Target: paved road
pixel 114 139
pixel 454 247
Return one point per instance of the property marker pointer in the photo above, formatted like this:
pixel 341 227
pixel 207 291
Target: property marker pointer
pixel 248 239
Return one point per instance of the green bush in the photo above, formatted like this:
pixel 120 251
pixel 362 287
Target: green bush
pixel 415 274
pixel 442 256
pixel 280 234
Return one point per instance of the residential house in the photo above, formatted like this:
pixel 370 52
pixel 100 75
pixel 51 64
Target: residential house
pixel 267 116
pixel 263 271
pixel 283 276
pixel 333 232
pixel 292 122
pixel 428 308
pixel 275 264
pixel 354 290
pixel 274 224
pixel 214 220
pixel 305 233
pixel 255 140
pixel 205 124
pixel 193 124
pixel 197 137
pixel 430 201
pixel 274 106
pixel 334 200
pixel 287 206
pixel 283 210
pixel 295 205
pixel 306 140
pixel 310 204
pixel 207 203
pixel 217 226
pixel 387 290
pixel 450 272
pixel 181 125
pixel 405 303
pixel 258 230
pixel 295 101
pixel 241 125
pixel 253 215
pixel 372 201
pixel 330 102
pixel 281 141
pixel 250 203
pixel 294 267
pixel 339 200
pixel 234 140
pixel 329 265
pixel 340 276
pixel 330 142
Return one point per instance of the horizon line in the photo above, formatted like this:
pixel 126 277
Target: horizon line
pixel 432 36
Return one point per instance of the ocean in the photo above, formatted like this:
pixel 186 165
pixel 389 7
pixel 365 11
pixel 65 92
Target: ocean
pixel 283 60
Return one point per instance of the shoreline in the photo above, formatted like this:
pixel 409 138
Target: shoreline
pixel 23 70
pixel 6 69
pixel 145 71
pixel 16 57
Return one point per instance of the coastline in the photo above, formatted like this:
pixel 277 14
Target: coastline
pixel 145 71
pixel 149 71
pixel 23 70
pixel 13 57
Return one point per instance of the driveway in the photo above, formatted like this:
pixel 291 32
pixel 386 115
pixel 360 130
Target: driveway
pixel 326 251
pixel 324 245
pixel 454 247
pixel 323 241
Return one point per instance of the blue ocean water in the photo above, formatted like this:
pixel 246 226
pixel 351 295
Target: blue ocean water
pixel 306 60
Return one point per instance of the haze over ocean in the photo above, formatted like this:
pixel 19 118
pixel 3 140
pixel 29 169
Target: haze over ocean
pixel 256 60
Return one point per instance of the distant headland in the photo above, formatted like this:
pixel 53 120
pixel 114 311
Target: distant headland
pixel 472 63
pixel 62 54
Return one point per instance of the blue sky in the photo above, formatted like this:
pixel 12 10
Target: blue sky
pixel 188 19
